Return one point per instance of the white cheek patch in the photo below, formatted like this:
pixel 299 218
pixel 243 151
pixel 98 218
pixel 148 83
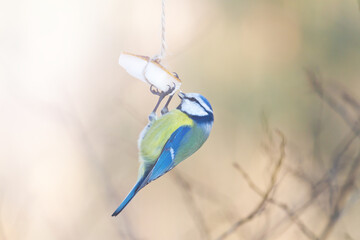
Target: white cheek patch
pixel 199 99
pixel 192 108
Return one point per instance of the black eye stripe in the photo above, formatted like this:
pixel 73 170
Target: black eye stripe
pixel 195 100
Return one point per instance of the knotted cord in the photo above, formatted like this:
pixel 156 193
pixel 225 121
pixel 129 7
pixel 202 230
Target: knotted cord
pixel 158 57
pixel 161 56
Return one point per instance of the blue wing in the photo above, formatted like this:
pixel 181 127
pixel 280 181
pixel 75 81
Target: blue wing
pixel 164 164
pixel 166 160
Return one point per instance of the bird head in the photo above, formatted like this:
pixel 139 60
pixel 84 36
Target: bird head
pixel 196 107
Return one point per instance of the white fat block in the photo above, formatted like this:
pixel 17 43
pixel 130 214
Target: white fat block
pixel 149 71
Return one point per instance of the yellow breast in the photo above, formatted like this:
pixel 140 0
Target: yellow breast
pixel 160 131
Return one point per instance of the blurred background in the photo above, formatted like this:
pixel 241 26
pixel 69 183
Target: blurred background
pixel 70 117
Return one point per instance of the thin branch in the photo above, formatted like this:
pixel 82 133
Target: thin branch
pixel 341 201
pixel 191 205
pixel 250 182
pixel 332 102
pixel 260 207
pixel 321 185
pixel 291 214
pixel 351 101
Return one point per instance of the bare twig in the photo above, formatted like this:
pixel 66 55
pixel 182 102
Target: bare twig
pixel 260 207
pixel 317 189
pixel 291 214
pixel 321 185
pixel 337 160
pixel 351 101
pixel 191 205
pixel 320 188
pixel 332 102
pixel 342 198
pixel 324 182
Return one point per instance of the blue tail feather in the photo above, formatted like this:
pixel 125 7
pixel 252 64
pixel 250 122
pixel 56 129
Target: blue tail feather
pixel 130 196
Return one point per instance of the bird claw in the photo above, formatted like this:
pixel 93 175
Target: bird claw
pixel 164 111
pixel 152 117
pixel 162 95
pixel 171 89
pixel 157 92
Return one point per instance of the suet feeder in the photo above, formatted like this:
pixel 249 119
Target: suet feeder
pixel 150 71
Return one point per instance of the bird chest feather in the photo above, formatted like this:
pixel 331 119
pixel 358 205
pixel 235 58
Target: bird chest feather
pixel 156 136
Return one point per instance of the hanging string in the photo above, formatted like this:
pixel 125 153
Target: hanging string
pixel 163 43
pixel 161 56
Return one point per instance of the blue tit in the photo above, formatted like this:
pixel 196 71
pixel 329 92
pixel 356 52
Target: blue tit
pixel 170 139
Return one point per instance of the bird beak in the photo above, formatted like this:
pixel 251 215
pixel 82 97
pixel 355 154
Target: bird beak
pixel 181 95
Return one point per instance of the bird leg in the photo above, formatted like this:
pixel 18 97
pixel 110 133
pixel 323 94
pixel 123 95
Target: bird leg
pixel 161 95
pixel 152 115
pixel 165 108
